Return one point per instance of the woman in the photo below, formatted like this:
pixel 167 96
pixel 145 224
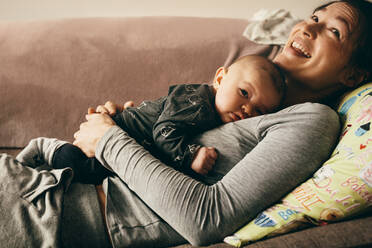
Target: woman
pixel 324 55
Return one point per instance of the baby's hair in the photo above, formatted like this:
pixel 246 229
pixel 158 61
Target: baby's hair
pixel 279 82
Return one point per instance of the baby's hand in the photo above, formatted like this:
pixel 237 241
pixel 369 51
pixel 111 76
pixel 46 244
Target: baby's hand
pixel 204 160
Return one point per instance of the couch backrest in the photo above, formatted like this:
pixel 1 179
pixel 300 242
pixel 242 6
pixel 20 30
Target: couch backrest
pixel 52 71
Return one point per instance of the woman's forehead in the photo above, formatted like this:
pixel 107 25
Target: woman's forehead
pixel 343 12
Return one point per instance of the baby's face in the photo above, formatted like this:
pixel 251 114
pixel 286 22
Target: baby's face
pixel 246 90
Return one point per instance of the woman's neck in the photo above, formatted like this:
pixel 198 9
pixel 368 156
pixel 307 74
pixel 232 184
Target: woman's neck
pixel 299 93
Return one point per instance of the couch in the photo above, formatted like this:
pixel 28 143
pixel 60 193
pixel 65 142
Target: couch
pixel 51 71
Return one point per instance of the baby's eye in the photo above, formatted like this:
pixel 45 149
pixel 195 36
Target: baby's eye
pixel 244 93
pixel 314 18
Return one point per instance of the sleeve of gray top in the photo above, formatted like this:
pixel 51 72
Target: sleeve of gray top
pixel 292 144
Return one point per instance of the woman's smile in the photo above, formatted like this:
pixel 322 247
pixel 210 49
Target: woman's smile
pixel 319 48
pixel 300 49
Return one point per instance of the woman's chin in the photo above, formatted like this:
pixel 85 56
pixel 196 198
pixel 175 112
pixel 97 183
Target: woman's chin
pixel 290 60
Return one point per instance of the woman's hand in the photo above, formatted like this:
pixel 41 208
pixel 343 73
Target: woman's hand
pixel 92 131
pixel 110 108
pixel 98 122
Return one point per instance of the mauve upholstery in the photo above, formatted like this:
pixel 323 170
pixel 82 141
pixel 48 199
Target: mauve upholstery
pixel 51 71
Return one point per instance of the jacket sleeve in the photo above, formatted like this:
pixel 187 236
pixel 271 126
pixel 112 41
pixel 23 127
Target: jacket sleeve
pixel 187 111
pixel 294 142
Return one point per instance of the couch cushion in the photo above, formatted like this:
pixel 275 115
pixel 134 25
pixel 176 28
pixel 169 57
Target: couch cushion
pixel 52 71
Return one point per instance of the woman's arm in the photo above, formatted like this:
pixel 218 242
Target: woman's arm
pixel 292 144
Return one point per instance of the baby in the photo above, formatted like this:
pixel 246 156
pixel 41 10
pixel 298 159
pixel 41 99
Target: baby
pixel 251 86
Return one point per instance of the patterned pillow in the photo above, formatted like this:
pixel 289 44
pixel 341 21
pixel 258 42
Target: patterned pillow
pixel 341 188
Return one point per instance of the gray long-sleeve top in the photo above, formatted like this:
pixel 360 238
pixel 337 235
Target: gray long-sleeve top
pixel 276 152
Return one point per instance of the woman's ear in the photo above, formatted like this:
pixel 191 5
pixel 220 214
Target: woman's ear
pixel 220 73
pixel 352 77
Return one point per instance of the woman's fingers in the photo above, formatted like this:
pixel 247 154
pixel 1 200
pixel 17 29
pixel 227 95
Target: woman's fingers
pixel 111 108
pixel 98 118
pixel 91 131
pixel 91 110
pixel 102 109
pixel 76 134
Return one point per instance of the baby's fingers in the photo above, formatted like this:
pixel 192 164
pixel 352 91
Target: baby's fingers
pixel 203 172
pixel 212 153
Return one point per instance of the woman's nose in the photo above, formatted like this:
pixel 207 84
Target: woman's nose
pixel 310 30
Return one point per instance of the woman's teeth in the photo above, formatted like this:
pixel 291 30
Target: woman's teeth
pixel 298 47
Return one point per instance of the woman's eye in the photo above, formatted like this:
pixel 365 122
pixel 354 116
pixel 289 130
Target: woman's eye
pixel 335 32
pixel 244 93
pixel 314 18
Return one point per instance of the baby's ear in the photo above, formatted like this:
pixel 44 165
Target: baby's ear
pixel 220 73
pixel 352 77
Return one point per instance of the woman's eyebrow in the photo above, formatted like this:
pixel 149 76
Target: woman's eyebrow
pixel 344 23
pixel 338 18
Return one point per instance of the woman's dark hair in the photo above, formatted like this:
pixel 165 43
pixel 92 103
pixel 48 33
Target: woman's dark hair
pixel 362 54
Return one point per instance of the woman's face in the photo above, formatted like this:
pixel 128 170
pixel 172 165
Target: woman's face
pixel 318 49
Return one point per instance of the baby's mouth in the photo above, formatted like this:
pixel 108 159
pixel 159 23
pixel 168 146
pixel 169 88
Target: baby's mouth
pixel 237 116
pixel 300 49
pixel 234 116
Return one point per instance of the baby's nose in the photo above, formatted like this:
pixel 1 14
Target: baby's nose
pixel 246 111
